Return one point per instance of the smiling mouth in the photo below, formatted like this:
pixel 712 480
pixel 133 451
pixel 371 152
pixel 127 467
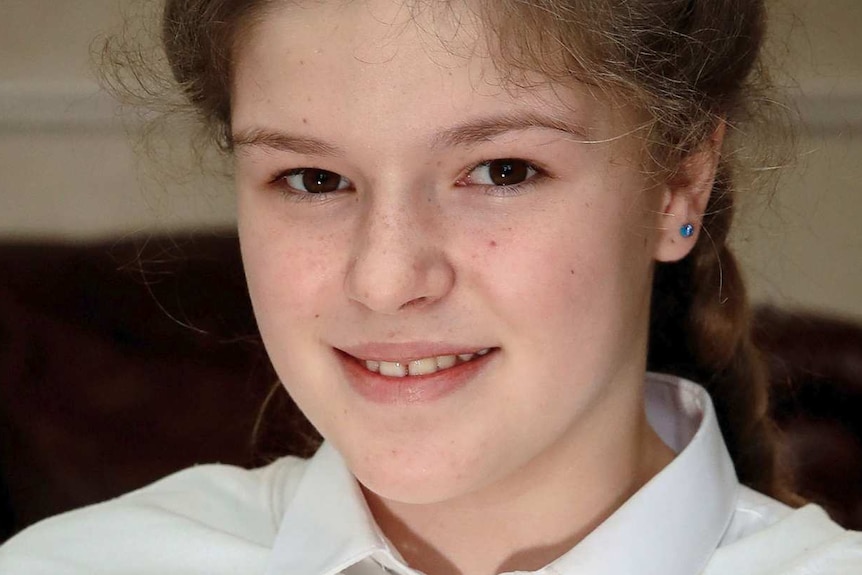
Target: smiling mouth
pixel 422 366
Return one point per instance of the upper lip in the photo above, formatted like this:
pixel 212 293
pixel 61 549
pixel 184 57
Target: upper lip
pixel 407 351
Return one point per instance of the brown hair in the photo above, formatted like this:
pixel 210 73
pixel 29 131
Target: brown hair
pixel 689 65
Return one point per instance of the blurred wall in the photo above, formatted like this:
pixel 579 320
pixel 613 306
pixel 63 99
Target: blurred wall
pixel 68 169
pixel 803 246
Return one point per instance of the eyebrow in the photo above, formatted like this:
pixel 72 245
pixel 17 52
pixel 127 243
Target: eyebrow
pixel 469 133
pixel 283 142
pixel 484 129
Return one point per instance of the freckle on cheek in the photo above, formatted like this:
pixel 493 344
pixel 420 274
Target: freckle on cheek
pixel 492 244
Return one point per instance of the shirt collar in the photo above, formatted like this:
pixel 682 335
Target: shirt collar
pixel 675 522
pixel 327 526
pixel 671 526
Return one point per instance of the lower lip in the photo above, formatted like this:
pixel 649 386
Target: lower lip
pixel 411 389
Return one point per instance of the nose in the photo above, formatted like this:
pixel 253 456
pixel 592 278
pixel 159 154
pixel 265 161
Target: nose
pixel 398 259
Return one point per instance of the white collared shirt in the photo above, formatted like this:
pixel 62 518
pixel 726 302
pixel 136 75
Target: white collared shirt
pixel 298 517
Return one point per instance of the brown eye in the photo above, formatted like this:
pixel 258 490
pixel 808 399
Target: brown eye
pixel 315 181
pixel 502 172
pixel 508 172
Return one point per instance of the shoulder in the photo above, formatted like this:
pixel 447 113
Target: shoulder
pixel 768 537
pixel 214 519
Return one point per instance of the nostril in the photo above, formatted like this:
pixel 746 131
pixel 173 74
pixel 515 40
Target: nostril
pixel 414 302
pixel 384 281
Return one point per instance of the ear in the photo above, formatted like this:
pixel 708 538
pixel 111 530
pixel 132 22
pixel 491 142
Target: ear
pixel 686 194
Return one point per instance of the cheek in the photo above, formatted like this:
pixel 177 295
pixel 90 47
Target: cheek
pixel 583 268
pixel 554 257
pixel 289 269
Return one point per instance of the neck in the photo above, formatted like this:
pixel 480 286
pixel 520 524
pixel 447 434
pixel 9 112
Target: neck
pixel 530 518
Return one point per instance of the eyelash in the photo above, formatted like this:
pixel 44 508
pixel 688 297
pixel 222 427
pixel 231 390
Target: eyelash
pixel 538 173
pixel 537 176
pixel 279 181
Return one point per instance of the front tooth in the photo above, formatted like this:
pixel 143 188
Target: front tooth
pixel 446 361
pixel 372 365
pixel 465 356
pixel 423 366
pixel 393 369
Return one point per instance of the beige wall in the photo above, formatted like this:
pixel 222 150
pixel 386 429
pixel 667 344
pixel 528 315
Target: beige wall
pixel 67 168
pixel 803 247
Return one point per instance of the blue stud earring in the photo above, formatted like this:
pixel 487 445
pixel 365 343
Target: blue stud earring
pixel 686 231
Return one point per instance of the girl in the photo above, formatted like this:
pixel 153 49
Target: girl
pixel 469 228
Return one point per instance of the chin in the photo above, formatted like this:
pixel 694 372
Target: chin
pixel 415 476
pixel 410 489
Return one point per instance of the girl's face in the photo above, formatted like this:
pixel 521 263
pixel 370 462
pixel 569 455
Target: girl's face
pixel 451 284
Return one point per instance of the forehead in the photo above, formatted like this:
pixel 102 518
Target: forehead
pixel 373 25
pixel 371 61
pixel 364 39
